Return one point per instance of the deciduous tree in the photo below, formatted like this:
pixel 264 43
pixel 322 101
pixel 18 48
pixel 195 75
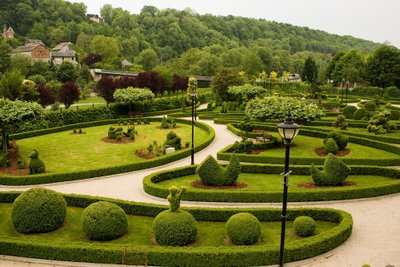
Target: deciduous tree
pixel 69 93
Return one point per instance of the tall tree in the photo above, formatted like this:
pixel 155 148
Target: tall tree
pixel 224 78
pixel 69 93
pixel 350 67
pixel 148 58
pixel 107 47
pixel 5 58
pixel 11 84
pixel 383 66
pixel 310 71
pixel 66 71
pixel 105 88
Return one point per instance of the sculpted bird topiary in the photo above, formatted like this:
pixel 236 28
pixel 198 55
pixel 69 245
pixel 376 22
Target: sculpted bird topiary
pixel 334 172
pixel 36 165
pixel 211 173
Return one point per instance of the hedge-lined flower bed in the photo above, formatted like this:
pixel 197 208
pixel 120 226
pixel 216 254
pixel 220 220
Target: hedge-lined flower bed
pixel 255 255
pixel 68 176
pixel 151 186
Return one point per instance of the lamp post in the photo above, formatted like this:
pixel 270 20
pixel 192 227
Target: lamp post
pixel 288 131
pixel 193 85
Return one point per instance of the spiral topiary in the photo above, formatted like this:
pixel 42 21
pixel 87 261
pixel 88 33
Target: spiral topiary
pixel 304 226
pixel 175 227
pixel 104 221
pixel 38 210
pixel 243 229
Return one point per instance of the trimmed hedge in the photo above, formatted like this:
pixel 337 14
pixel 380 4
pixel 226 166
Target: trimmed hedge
pixel 187 256
pixel 59 177
pixel 151 187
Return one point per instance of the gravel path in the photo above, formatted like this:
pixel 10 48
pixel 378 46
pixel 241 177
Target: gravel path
pixel 375 239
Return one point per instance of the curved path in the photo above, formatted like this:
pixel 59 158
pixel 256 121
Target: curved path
pixel 376 232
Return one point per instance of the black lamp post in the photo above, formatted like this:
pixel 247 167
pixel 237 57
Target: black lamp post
pixel 288 131
pixel 193 96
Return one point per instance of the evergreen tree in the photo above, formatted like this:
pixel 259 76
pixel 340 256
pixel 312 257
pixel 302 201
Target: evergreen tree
pixel 310 71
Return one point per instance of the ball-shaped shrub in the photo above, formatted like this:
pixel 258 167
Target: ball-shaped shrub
pixel 304 226
pixel 104 221
pixel 174 228
pixel 38 210
pixel 360 114
pixel 340 139
pixel 243 229
pixel 331 146
pixel 349 111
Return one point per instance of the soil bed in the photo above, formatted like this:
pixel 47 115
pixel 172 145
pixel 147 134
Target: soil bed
pixel 124 140
pixel 13 155
pixel 199 184
pixel 313 185
pixel 321 152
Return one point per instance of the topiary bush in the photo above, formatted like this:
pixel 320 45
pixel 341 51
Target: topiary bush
pixel 243 229
pixel 360 114
pixel 244 146
pixel 370 106
pixel 175 227
pixel 104 221
pixel 330 146
pixel 304 226
pixel 38 210
pixel 334 172
pixel 349 111
pixel 340 122
pixel 173 140
pixel 211 173
pixel 36 165
pixel 340 139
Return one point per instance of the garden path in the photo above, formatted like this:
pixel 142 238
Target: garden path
pixel 376 233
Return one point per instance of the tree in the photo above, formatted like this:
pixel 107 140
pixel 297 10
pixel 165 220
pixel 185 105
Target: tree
pixel 350 67
pixel 151 80
pixel 13 114
pixel 91 58
pixel 133 96
pixel 383 66
pixel 22 63
pixel 11 84
pixel 69 93
pixel 47 96
pixel 5 58
pixel 66 71
pixel 105 88
pixel 179 83
pixel 106 47
pixel 148 58
pixel 224 78
pixel 332 64
pixel 310 71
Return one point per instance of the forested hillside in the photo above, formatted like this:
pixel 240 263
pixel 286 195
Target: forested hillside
pixel 186 41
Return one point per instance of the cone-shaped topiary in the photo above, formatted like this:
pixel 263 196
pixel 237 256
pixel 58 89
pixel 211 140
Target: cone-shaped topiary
pixel 334 172
pixel 175 227
pixel 211 173
pixel 304 226
pixel 243 229
pixel 38 210
pixel 104 221
pixel 330 146
pixel 36 165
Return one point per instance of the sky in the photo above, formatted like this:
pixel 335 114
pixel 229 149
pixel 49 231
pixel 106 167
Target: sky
pixel 375 20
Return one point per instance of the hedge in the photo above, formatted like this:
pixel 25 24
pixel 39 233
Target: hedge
pixel 59 177
pixel 185 256
pixel 151 187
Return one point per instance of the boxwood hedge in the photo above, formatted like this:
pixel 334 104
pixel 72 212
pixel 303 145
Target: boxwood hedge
pixel 185 256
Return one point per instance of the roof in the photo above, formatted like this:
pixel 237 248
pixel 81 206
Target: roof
pixel 25 48
pixel 125 63
pixel 33 42
pixel 61 46
pixel 63 50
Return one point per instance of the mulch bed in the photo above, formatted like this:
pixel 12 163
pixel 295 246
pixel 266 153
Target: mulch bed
pixel 145 154
pixel 124 140
pixel 321 152
pixel 313 185
pixel 260 131
pixel 13 155
pixel 199 184
pixel 161 128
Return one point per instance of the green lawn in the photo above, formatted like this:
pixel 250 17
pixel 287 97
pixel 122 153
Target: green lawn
pixel 67 152
pixel 273 182
pixel 95 99
pixel 140 231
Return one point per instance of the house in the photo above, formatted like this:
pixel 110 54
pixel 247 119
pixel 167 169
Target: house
pixel 94 17
pixel 8 33
pixel 126 64
pixel 34 49
pixel 62 52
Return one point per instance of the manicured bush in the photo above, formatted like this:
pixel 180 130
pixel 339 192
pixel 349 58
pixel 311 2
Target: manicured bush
pixel 243 229
pixel 370 106
pixel 394 114
pixel 173 140
pixel 340 122
pixel 304 226
pixel 36 165
pixel 38 210
pixel 340 139
pixel 330 146
pixel 360 114
pixel 211 173
pixel 104 221
pixel 334 172
pixel 244 146
pixel 349 111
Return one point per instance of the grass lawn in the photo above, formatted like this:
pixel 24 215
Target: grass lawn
pixel 67 152
pixel 305 147
pixel 395 134
pixel 95 99
pixel 140 231
pixel 273 182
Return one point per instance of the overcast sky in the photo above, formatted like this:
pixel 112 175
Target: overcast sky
pixel 376 20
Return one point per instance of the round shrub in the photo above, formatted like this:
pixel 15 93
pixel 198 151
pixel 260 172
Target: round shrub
pixel 360 114
pixel 174 228
pixel 104 221
pixel 243 228
pixel 38 210
pixel 349 111
pixel 340 139
pixel 370 106
pixel 331 146
pixel 304 226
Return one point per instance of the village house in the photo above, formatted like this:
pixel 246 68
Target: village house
pixel 62 52
pixel 8 33
pixel 34 49
pixel 94 17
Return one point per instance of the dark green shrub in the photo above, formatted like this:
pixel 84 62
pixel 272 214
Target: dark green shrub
pixel 360 114
pixel 304 226
pixel 244 146
pixel 334 172
pixel 340 122
pixel 243 229
pixel 211 173
pixel 21 163
pixel 36 165
pixel 379 124
pixel 340 139
pixel 38 210
pixel 111 133
pixel 394 114
pixel 167 123
pixel 210 107
pixel 349 111
pixel 330 146
pixel 104 221
pixel 370 106
pixel 173 140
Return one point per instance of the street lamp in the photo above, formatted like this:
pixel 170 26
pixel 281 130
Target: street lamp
pixel 193 85
pixel 288 131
